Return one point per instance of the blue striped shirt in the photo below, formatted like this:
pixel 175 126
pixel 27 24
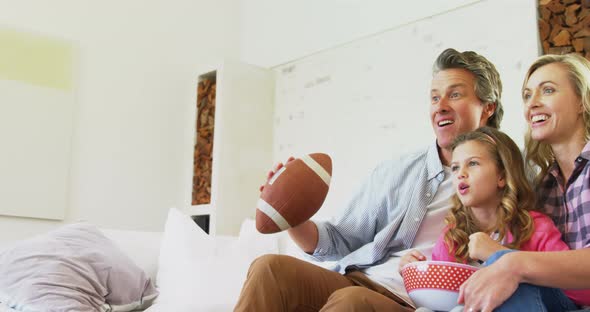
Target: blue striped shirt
pixel 384 215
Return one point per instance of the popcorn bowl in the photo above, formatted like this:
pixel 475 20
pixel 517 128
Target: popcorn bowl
pixel 435 284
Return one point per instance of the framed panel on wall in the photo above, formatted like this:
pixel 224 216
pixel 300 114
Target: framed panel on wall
pixel 37 105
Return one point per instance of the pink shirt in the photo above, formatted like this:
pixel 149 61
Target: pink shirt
pixel 546 237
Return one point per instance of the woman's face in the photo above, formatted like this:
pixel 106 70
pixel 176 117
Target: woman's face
pixel 552 109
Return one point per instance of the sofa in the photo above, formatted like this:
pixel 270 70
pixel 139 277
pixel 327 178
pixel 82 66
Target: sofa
pixel 191 270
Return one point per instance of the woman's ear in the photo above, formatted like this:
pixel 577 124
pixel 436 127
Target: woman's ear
pixel 502 180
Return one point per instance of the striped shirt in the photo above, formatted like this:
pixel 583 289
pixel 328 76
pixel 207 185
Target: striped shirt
pixel 384 215
pixel 569 205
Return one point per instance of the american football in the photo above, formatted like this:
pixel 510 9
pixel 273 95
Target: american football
pixel 294 193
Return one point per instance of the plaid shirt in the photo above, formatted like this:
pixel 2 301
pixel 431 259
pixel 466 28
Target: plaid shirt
pixel 574 221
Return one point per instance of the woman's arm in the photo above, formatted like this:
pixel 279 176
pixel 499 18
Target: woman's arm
pixel 489 287
pixel 561 269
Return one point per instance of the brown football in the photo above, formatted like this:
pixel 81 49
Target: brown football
pixel 294 193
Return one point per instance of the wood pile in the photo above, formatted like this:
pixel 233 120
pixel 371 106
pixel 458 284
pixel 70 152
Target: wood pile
pixel 564 26
pixel 203 160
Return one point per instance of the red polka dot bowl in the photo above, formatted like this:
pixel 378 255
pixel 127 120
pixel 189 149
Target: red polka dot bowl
pixel 435 284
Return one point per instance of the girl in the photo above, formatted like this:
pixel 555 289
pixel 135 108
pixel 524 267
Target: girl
pixel 492 214
pixel 492 206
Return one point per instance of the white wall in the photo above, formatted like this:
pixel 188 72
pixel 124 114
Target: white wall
pixel 138 62
pixel 367 100
pixel 274 32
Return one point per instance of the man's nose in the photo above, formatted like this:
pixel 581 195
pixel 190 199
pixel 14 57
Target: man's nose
pixel 442 105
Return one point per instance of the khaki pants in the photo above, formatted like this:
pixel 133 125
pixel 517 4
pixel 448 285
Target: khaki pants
pixel 283 283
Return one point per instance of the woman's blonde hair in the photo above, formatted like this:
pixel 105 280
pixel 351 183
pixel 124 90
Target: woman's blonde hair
pixel 517 197
pixel 578 69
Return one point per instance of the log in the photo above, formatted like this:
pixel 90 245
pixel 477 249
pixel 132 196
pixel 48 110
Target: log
pixel 582 14
pixel 561 50
pixel 563 38
pixel 578 44
pixel 557 20
pixel 202 157
pixel 545 47
pixel 571 16
pixel 545 13
pixel 585 32
pixel 555 6
pixel 555 31
pixel 544 29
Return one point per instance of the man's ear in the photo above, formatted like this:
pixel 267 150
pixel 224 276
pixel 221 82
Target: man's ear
pixel 490 109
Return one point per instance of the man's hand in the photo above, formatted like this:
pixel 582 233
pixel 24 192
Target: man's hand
pixel 411 256
pixel 482 246
pixel 275 168
pixel 489 287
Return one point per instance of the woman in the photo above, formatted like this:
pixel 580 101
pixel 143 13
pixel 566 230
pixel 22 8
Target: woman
pixel 556 96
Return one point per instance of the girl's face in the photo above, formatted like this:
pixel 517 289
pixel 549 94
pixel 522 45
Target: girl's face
pixel 551 107
pixel 477 180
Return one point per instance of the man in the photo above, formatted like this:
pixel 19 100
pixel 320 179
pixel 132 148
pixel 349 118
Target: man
pixel 400 207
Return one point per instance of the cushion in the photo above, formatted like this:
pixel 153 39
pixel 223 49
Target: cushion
pixel 199 272
pixel 73 268
pixel 141 246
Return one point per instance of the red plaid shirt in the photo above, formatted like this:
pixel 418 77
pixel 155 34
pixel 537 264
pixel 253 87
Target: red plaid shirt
pixel 569 205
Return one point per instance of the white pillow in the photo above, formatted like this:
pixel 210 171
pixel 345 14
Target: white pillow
pixel 72 268
pixel 141 246
pixel 198 272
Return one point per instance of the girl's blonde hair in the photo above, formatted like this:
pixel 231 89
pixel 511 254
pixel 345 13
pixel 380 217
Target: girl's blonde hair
pixel 578 69
pixel 517 197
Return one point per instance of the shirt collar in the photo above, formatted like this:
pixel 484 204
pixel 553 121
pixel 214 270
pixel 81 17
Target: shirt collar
pixel 585 154
pixel 586 151
pixel 434 166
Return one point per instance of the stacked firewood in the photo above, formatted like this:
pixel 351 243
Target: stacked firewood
pixel 204 146
pixel 564 26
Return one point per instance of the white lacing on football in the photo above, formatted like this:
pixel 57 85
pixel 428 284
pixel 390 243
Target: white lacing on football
pixel 273 214
pixel 317 168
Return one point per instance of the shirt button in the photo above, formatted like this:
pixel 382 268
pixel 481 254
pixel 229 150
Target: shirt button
pixel 579 159
pixel 417 219
pixel 428 194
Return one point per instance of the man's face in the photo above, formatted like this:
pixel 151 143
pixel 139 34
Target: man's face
pixel 455 109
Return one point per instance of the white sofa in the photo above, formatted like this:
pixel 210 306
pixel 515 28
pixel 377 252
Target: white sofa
pixel 192 270
pixel 196 272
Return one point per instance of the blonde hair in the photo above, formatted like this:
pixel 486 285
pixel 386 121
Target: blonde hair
pixel 517 196
pixel 578 69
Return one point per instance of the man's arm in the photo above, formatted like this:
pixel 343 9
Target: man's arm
pixel 305 236
pixel 489 287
